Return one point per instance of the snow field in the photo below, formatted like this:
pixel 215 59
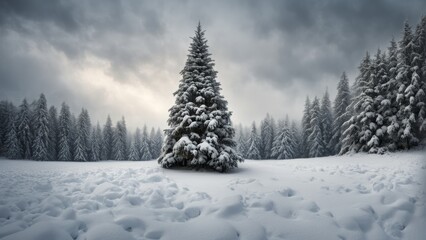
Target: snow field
pixel 349 197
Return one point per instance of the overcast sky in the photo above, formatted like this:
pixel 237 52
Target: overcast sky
pixel 124 57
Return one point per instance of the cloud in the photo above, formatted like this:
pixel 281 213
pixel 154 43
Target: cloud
pixel 124 57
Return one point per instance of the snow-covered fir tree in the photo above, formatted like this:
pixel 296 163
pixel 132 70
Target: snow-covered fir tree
pixel 420 68
pixel 405 97
pixel 108 140
pixel 24 130
pixel 41 127
pixel 120 141
pixel 326 123
pixel 341 103
pixel 351 134
pixel 53 134
pixel 96 143
pixel 242 141
pixel 73 136
pixel 79 150
pixel 135 146
pixel 12 142
pixel 283 146
pixel 145 150
pixel 64 153
pixel 200 133
pixel 7 116
pixel 306 127
pixel 84 127
pixel 267 134
pixel 389 107
pixel 253 144
pixel 297 140
pixel 315 139
pixel 157 142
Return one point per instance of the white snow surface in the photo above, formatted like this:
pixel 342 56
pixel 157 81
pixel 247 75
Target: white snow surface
pixel 346 197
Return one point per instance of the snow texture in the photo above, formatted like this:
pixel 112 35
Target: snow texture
pixel 346 197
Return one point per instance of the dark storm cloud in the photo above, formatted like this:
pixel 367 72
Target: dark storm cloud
pixel 291 48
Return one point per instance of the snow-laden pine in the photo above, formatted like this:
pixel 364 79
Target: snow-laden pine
pixel 200 134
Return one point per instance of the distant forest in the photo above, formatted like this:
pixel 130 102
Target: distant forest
pixel 32 131
pixel 384 110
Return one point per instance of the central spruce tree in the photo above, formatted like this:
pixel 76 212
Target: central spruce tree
pixel 200 134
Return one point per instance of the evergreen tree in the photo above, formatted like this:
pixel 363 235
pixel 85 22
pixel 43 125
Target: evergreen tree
pixel 108 140
pixel 326 124
pixel 145 150
pixel 297 139
pixel 79 153
pixel 134 151
pixel 253 143
pixel 7 116
pixel 96 143
pixel 200 133
pixel 64 153
pixel 120 141
pixel 351 135
pixel 82 145
pixel 421 44
pixel 306 127
pixel 389 107
pixel 341 103
pixel 283 147
pixel 53 134
pixel 405 96
pixel 12 142
pixel 315 139
pixel 41 140
pixel 24 130
pixel 417 87
pixel 157 142
pixel 266 137
pixel 242 141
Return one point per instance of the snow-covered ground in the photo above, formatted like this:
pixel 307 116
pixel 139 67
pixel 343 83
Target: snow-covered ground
pixel 350 197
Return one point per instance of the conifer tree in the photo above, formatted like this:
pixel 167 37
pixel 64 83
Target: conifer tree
pixel 351 135
pixel 53 134
pixel 297 139
pixel 306 127
pixel 283 147
pixel 145 150
pixel 266 137
pixel 341 103
pixel 407 118
pixel 12 142
pixel 108 140
pixel 84 127
pixel 389 106
pixel 326 123
pixel 242 142
pixel 41 140
pixel 253 144
pixel 64 153
pixel 200 133
pixel 315 139
pixel 24 130
pixel 96 143
pixel 120 141
pixel 157 142
pixel 7 116
pixel 417 87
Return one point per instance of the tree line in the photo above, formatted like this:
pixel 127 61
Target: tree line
pixel 384 109
pixel 32 131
